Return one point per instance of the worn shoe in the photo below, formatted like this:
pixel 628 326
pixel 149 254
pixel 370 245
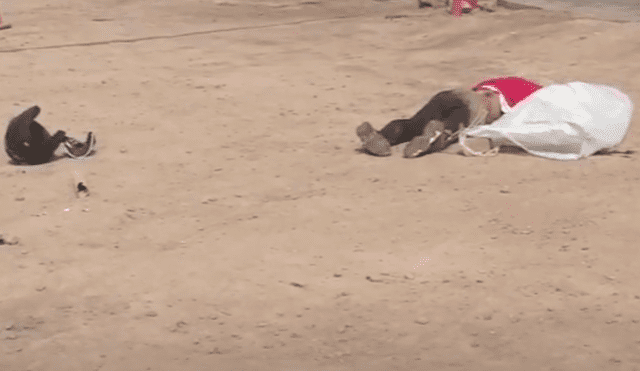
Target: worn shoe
pixel 372 141
pixel 433 138
pixel 79 150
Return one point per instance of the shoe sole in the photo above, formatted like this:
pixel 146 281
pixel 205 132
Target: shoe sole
pixel 420 145
pixel 364 131
pixel 372 141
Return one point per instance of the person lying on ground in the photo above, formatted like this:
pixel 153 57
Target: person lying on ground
pixel 28 142
pixel 438 123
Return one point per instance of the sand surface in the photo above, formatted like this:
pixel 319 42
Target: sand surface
pixel 233 225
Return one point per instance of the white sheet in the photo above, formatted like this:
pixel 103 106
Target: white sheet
pixel 563 122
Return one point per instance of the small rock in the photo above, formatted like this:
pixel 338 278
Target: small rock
pixel 151 314
pixel 20 198
pixel 421 321
pixel 8 240
pixel 343 329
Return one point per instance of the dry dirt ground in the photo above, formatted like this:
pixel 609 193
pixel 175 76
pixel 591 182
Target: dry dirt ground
pixel 233 225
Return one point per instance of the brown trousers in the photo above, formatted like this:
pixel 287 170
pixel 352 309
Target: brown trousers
pixel 457 109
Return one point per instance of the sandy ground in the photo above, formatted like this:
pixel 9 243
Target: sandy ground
pixel 233 225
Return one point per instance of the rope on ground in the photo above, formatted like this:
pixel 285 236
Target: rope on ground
pixel 179 35
pixel 479 119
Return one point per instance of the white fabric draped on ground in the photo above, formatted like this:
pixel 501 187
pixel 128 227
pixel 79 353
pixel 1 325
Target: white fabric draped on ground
pixel 562 122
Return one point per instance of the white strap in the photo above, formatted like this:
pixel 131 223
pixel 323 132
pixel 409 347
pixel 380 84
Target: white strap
pixel 479 119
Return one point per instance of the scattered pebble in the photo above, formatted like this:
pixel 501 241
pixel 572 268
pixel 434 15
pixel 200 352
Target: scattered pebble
pixel 343 329
pixel 208 200
pixel 421 321
pixel 8 240
pixel 151 314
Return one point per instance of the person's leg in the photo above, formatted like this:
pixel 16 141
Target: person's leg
pixel 396 132
pixel 451 107
pixel 456 109
pixel 403 130
pixel 19 133
pixel 443 105
pixel 43 145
